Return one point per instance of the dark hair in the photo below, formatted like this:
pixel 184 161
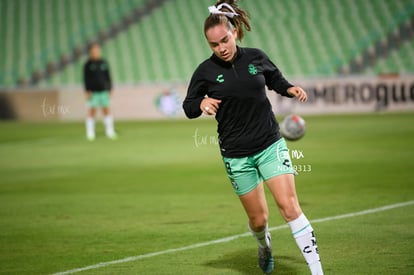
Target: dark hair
pixel 239 22
pixel 93 45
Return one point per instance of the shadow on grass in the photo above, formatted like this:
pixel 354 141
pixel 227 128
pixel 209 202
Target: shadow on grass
pixel 245 262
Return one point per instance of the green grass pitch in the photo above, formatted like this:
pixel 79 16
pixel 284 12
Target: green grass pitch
pixel 67 203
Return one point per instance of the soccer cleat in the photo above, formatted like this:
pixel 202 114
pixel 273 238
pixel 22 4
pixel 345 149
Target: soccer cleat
pixel 266 261
pixel 90 137
pixel 112 136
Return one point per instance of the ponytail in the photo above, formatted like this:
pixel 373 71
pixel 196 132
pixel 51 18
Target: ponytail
pixel 228 13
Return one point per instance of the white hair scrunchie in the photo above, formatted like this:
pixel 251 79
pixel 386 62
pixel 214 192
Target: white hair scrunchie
pixel 217 10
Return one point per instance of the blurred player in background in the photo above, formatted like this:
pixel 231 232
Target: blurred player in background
pixel 231 86
pixel 98 86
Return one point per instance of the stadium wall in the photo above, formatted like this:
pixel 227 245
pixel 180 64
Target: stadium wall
pixel 163 101
pixel 352 95
pixel 30 105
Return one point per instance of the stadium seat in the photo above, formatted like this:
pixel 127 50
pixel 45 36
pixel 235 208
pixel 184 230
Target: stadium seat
pixel 39 32
pixel 304 38
pixel 403 58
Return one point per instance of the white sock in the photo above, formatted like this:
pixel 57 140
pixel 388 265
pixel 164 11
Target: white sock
pixel 305 238
pixel 261 237
pixel 109 125
pixel 90 127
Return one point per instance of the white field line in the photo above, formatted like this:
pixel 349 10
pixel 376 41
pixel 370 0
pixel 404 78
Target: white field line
pixel 230 238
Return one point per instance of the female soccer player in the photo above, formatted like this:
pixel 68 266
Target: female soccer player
pixel 98 87
pixel 231 86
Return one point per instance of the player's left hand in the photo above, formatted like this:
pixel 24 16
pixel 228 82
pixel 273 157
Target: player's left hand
pixel 298 92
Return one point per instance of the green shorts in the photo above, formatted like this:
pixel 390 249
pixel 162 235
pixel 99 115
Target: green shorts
pixel 99 99
pixel 246 173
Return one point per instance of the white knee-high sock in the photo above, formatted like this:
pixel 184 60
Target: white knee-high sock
pixel 262 237
pixel 90 127
pixel 109 125
pixel 305 238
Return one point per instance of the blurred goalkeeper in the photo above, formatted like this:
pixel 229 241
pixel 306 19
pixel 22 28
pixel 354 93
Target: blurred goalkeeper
pixel 98 86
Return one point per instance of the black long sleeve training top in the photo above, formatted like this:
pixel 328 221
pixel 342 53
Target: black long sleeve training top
pixel 96 76
pixel 246 123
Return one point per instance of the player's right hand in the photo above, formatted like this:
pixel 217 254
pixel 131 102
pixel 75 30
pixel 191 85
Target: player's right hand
pixel 210 106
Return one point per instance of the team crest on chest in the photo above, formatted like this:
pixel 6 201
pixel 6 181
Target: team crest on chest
pixel 252 69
